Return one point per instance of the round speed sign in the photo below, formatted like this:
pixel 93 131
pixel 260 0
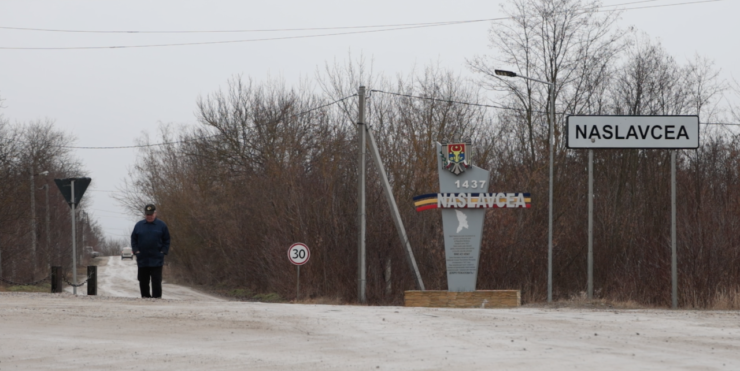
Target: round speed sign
pixel 298 253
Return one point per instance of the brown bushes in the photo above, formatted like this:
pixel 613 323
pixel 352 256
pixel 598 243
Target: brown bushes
pixel 32 148
pixel 253 179
pixel 262 171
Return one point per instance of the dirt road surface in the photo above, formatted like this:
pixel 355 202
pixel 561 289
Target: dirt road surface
pixel 65 332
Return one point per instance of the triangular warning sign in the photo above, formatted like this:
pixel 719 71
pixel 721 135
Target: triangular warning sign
pixel 80 186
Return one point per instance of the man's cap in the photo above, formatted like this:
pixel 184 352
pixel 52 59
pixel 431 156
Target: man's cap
pixel 149 209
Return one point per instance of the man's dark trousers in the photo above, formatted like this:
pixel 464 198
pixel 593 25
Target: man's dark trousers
pixel 155 273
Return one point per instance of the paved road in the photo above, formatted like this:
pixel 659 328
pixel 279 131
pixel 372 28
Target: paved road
pixel 117 277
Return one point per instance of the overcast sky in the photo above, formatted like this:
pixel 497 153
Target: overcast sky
pixel 109 97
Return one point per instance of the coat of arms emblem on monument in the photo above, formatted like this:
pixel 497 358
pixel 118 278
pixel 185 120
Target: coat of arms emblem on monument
pixel 456 156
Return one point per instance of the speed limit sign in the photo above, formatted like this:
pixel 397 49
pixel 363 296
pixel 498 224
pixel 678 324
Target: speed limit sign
pixel 298 253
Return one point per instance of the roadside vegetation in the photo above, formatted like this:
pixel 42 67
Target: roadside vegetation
pixel 32 155
pixel 265 168
pixel 262 170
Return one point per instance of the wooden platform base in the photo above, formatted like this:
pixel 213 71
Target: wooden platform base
pixel 472 299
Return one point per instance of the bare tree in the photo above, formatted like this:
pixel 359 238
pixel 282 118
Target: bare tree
pixel 571 43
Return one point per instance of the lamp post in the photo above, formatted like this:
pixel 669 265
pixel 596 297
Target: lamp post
pixel 552 144
pixel 33 217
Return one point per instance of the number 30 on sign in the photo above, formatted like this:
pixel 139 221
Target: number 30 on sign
pixel 298 253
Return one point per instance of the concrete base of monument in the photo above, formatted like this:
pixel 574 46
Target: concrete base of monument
pixel 471 299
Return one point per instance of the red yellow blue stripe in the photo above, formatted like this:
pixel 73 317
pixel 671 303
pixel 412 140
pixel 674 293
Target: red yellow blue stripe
pixel 472 200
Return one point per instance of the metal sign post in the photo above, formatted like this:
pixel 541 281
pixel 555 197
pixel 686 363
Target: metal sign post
pixel 590 224
pixel 639 132
pixel 73 195
pixel 298 254
pixel 674 268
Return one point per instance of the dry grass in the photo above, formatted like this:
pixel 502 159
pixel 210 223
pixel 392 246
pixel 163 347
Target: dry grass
pixel 42 287
pixel 581 300
pixel 325 300
pixel 721 300
pixel 724 300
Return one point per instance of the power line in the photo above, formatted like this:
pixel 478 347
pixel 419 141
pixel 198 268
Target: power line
pixel 229 41
pixel 108 211
pixel 393 28
pixel 664 5
pixel 284 29
pixel 129 218
pixel 250 30
pixel 630 3
pixel 452 101
pixel 504 107
pixel 449 101
pixel 209 136
pixel 143 145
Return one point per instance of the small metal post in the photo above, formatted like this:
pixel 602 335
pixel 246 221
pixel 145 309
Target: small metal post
pixel 297 282
pixel 674 268
pixel 56 279
pixel 388 282
pixel 590 224
pixel 361 217
pixel 83 249
pixel 92 280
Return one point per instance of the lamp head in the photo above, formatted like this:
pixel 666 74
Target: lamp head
pixel 505 73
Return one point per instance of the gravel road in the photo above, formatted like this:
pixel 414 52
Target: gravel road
pixel 117 277
pixel 65 332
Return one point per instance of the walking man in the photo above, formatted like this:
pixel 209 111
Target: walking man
pixel 150 242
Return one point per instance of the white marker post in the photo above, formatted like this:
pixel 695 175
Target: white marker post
pixel 642 132
pixel 298 254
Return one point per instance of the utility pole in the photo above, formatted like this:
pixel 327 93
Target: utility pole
pixel 33 224
pixel 551 140
pixel 48 235
pixel 74 242
pixel 361 219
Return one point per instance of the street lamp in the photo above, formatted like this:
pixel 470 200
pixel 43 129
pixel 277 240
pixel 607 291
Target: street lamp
pixel 551 143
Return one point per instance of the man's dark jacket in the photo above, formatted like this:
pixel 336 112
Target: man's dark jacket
pixel 150 242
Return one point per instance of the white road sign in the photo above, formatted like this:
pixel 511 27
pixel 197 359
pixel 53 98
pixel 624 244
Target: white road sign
pixel 298 253
pixel 666 132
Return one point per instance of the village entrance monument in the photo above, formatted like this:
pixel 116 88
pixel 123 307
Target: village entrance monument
pixel 464 200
